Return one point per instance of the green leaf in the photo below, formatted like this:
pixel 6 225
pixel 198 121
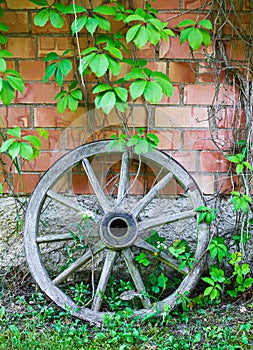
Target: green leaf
pixel 153 92
pixel 132 32
pixel 59 7
pixel 247 165
pixel 114 51
pixel 1 83
pixel 122 93
pixel 6 145
pixel 154 139
pixel 104 10
pixel 157 23
pixel 141 37
pixel 15 83
pixel 141 146
pixel 62 104
pixel 206 23
pixel 34 140
pixel 91 25
pixel 208 280
pixel 86 61
pixel 121 106
pixel 164 82
pixel 114 66
pixel 4 27
pixel 184 34
pixel 59 77
pixel 153 35
pixel 239 168
pixel 76 94
pixel 41 17
pixel 2 65
pixel 7 93
pixel 72 103
pixel 3 39
pixel 51 56
pixel 101 87
pixel 195 39
pixel 50 71
pixel 99 64
pixel 65 66
pixel 205 37
pixel 103 23
pixel 16 132
pixel 108 101
pixel 14 149
pixel 78 24
pixel 5 53
pixel 136 73
pixel 162 281
pixel 56 19
pixel 186 22
pixel 26 151
pixel 89 50
pixel 134 18
pixel 39 2
pixel 74 9
pixel 1 188
pixel 137 88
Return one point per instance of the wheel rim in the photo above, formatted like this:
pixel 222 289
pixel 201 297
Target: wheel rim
pixel 120 228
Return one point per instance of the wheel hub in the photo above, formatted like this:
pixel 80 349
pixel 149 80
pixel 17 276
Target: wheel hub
pixel 118 230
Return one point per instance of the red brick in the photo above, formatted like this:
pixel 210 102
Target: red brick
pixel 17 21
pixel 206 183
pixel 5 181
pixel 20 4
pixel 202 94
pixel 81 185
pixel 15 116
pixel 56 44
pixel 159 4
pixel 38 93
pixel 76 138
pixel 226 184
pixel 147 51
pixel 32 70
pixel 195 4
pixel 172 49
pixel 204 140
pixel 10 64
pixel 43 163
pixel 54 141
pixel 174 99
pixel 206 74
pixel 47 117
pixel 21 47
pixel 181 117
pixel 213 162
pixel 182 72
pixel 48 28
pixel 25 183
pixel 235 50
pixel 186 159
pixel 169 139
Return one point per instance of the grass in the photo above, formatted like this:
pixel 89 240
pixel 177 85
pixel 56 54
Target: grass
pixel 32 323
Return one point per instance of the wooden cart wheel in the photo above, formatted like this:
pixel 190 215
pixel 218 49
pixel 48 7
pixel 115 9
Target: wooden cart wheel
pixel 126 194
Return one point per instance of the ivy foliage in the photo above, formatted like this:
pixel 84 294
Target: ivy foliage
pixel 106 50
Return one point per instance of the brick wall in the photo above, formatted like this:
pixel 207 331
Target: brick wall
pixel 181 122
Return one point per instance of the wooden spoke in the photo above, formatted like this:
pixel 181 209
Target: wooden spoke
pixel 106 272
pixel 140 243
pixel 122 189
pixel 96 186
pixel 136 277
pixel 65 201
pixel 151 194
pixel 78 263
pixel 65 236
pixel 165 219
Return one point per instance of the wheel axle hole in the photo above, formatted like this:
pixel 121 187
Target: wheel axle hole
pixel 118 227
